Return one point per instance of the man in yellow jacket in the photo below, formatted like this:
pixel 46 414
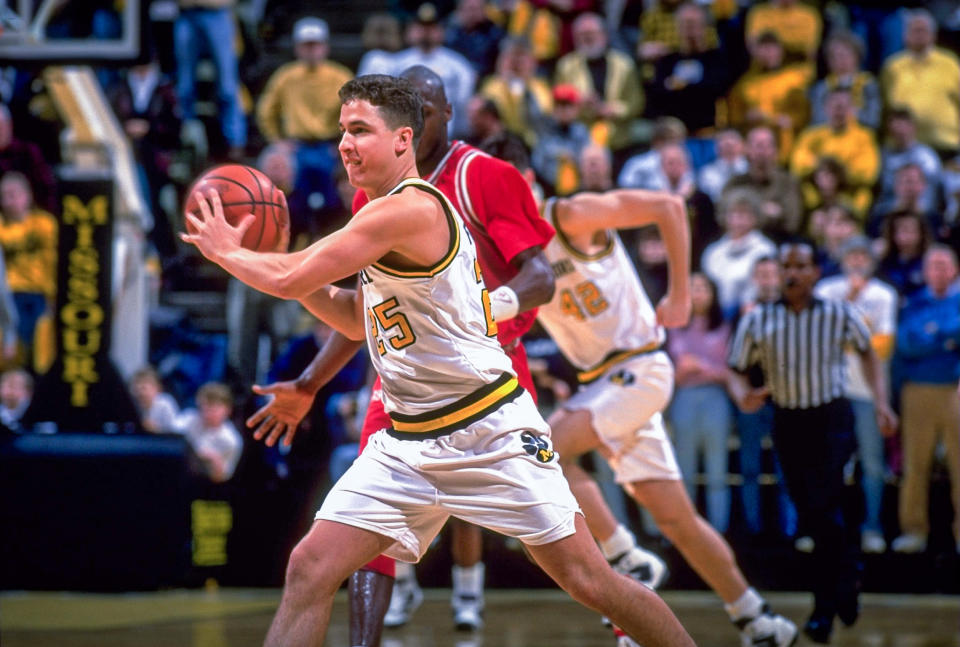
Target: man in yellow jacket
pixel 606 79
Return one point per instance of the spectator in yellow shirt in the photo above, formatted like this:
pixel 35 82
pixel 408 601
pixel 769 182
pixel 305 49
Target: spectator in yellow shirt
pixel 925 79
pixel 28 236
pixel 300 105
pixel 771 93
pixel 797 25
pixel 846 140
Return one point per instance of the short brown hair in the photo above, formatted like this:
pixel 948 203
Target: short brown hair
pixel 214 393
pixel 395 98
pixel 145 373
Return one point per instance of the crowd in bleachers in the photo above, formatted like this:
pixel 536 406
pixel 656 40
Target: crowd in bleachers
pixel 835 122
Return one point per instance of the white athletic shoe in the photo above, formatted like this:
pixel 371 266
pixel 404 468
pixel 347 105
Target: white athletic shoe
pixel 805 544
pixel 873 542
pixel 910 542
pixel 642 565
pixel 405 599
pixel 767 630
pixel 467 612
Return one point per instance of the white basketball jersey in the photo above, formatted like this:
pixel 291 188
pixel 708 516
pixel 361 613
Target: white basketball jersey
pixel 599 313
pixel 432 338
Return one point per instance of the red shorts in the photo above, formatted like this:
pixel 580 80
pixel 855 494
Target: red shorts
pixel 378 419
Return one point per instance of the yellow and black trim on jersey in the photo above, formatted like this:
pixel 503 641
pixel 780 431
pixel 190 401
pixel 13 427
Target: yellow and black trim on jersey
pixel 614 358
pixel 406 273
pixel 551 213
pixel 459 414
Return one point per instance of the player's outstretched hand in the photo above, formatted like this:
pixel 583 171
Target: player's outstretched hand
pixel 212 234
pixel 673 311
pixel 279 417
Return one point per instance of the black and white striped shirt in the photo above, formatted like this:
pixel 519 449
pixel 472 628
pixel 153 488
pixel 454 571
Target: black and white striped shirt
pixel 801 354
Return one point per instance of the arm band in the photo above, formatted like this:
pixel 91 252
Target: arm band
pixel 504 303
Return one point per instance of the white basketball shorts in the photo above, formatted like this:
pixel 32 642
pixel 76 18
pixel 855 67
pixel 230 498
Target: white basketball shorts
pixel 499 473
pixel 625 404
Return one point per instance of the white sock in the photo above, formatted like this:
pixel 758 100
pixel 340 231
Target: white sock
pixel 748 605
pixel 405 572
pixel 468 580
pixel 618 543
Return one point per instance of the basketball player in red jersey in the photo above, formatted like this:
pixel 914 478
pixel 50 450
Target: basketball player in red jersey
pixel 501 214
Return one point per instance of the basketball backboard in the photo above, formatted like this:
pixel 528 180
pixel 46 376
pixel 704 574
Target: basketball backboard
pixel 40 31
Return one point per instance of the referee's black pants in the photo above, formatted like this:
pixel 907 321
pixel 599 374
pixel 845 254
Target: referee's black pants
pixel 813 446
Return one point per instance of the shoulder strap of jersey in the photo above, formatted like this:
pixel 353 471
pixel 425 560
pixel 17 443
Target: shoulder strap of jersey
pixel 462 188
pixel 452 224
pixel 549 211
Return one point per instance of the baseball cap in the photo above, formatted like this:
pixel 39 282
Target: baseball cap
pixel 311 30
pixel 566 93
pixel 427 14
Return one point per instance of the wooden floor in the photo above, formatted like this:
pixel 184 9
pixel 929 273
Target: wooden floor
pixel 514 618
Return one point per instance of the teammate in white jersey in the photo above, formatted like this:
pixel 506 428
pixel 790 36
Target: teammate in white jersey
pixel 466 439
pixel 603 322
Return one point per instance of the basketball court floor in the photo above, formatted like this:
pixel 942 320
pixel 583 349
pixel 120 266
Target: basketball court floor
pixel 514 618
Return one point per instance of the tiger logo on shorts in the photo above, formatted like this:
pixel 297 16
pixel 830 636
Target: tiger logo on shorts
pixel 623 378
pixel 538 447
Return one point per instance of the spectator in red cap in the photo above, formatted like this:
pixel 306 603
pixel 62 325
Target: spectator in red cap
pixel 560 142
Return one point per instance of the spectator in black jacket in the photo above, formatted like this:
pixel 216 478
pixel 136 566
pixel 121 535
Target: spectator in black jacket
pixel 145 103
pixel 19 155
pixel 687 83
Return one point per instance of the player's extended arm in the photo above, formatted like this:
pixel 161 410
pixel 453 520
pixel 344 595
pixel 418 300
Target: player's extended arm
pixel 532 286
pixel 391 224
pixel 333 305
pixel 585 214
pixel 290 401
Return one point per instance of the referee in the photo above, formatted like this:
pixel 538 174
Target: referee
pixel 799 343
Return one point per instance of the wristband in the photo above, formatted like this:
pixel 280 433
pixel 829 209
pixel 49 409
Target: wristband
pixel 504 303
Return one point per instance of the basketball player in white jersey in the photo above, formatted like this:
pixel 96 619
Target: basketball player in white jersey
pixel 466 439
pixel 604 324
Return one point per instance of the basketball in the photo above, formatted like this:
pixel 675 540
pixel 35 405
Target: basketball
pixel 244 190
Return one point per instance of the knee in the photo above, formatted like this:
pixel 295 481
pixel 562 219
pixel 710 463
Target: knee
pixel 306 573
pixel 671 523
pixel 588 589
